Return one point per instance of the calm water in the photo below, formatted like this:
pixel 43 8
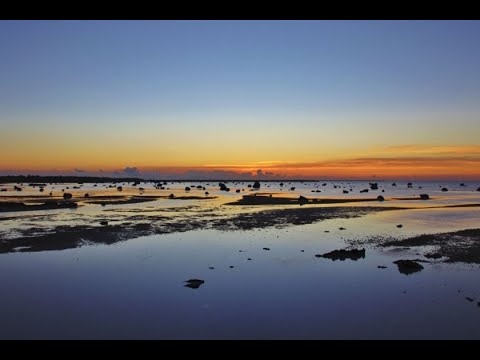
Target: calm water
pixel 135 289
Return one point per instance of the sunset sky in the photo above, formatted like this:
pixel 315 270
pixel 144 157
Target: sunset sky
pixel 298 99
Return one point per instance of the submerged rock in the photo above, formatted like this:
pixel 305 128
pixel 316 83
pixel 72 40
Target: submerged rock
pixel 343 254
pixel 256 185
pixel 171 196
pixel 374 186
pixel 86 195
pixel 222 186
pixel 119 188
pixel 194 283
pixel 444 189
pixel 408 267
pixel 187 188
pixel 399 226
pixel 292 188
pixel 380 198
pixel 345 191
pixel 424 197
pixel 67 196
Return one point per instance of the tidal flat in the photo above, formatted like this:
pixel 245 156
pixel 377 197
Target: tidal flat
pixel 191 260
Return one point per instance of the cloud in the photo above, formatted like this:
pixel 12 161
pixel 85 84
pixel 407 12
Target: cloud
pixel 131 171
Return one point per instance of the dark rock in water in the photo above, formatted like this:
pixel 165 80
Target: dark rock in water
pixel 327 231
pixel 67 196
pixel 318 191
pixel 341 228
pixel 256 185
pixel 86 195
pixel 408 267
pixel 342 255
pixel 374 186
pixel 399 226
pixel 394 184
pixel 266 248
pixel 194 283
pixel 462 184
pixel 206 193
pixel 3 190
pixel 119 188
pixel 381 267
pixel 433 256
pixel 292 188
pixel 345 191
pixel 141 189
pixel 16 188
pixel 364 191
pixel 103 222
pixel 302 250
pixel 380 198
pixel 469 299
pixel 444 189
pixel 424 197
pixel 409 184
pixel 302 200
pixel 383 190
pixel 187 188
pixel 171 196
pixel 223 187
pixel 237 191
pixel 103 204
pixel 249 185
pixel 249 259
pixel 41 189
pixel 211 267
pixel 324 184
pixel 199 187
pixel 231 266
pixel 281 184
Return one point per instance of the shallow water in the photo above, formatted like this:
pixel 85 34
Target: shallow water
pixel 135 288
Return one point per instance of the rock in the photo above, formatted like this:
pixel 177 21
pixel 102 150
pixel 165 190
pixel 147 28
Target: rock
pixel 104 222
pixel 364 191
pixel 408 267
pixel 341 228
pixel 237 191
pixel 119 188
pixel 103 204
pixel 41 189
pixel 292 188
pixel 462 184
pixel 266 248
pixel 141 189
pixel 469 299
pixel 433 256
pixel 394 184
pixel 345 191
pixel 374 186
pixel 381 267
pixel 187 188
pixel 223 187
pixel 249 185
pixel 478 189
pixel 424 197
pixel 302 250
pixel 206 193
pixel 249 259
pixel 399 226
pixel 199 187
pixel 444 189
pixel 211 267
pixel 67 196
pixel 171 196
pixel 194 283
pixel 3 190
pixel 281 184
pixel 16 188
pixel 231 266
pixel 86 195
pixel 302 200
pixel 256 185
pixel 380 198
pixel 343 254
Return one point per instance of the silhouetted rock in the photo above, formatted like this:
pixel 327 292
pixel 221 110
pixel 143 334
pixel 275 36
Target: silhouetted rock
pixel 462 184
pixel 399 226
pixel 341 228
pixel 408 267
pixel 67 196
pixel 171 196
pixel 104 222
pixel 394 184
pixel 292 188
pixel 433 256
pixel 199 187
pixel 281 184
pixel 364 191
pixel 16 188
pixel 424 197
pixel 206 193
pixel 469 299
pixel 237 191
pixel 380 198
pixel 266 248
pixel 86 195
pixel 187 188
pixel 256 185
pixel 119 188
pixel 223 187
pixel 345 191
pixel 374 186
pixel 302 200
pixel 231 266
pixel 444 189
pixel 194 283
pixel 381 267
pixel 342 254
pixel 478 189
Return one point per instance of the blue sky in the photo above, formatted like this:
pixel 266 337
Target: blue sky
pixel 172 76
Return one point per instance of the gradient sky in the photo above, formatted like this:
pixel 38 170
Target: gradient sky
pixel 313 99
